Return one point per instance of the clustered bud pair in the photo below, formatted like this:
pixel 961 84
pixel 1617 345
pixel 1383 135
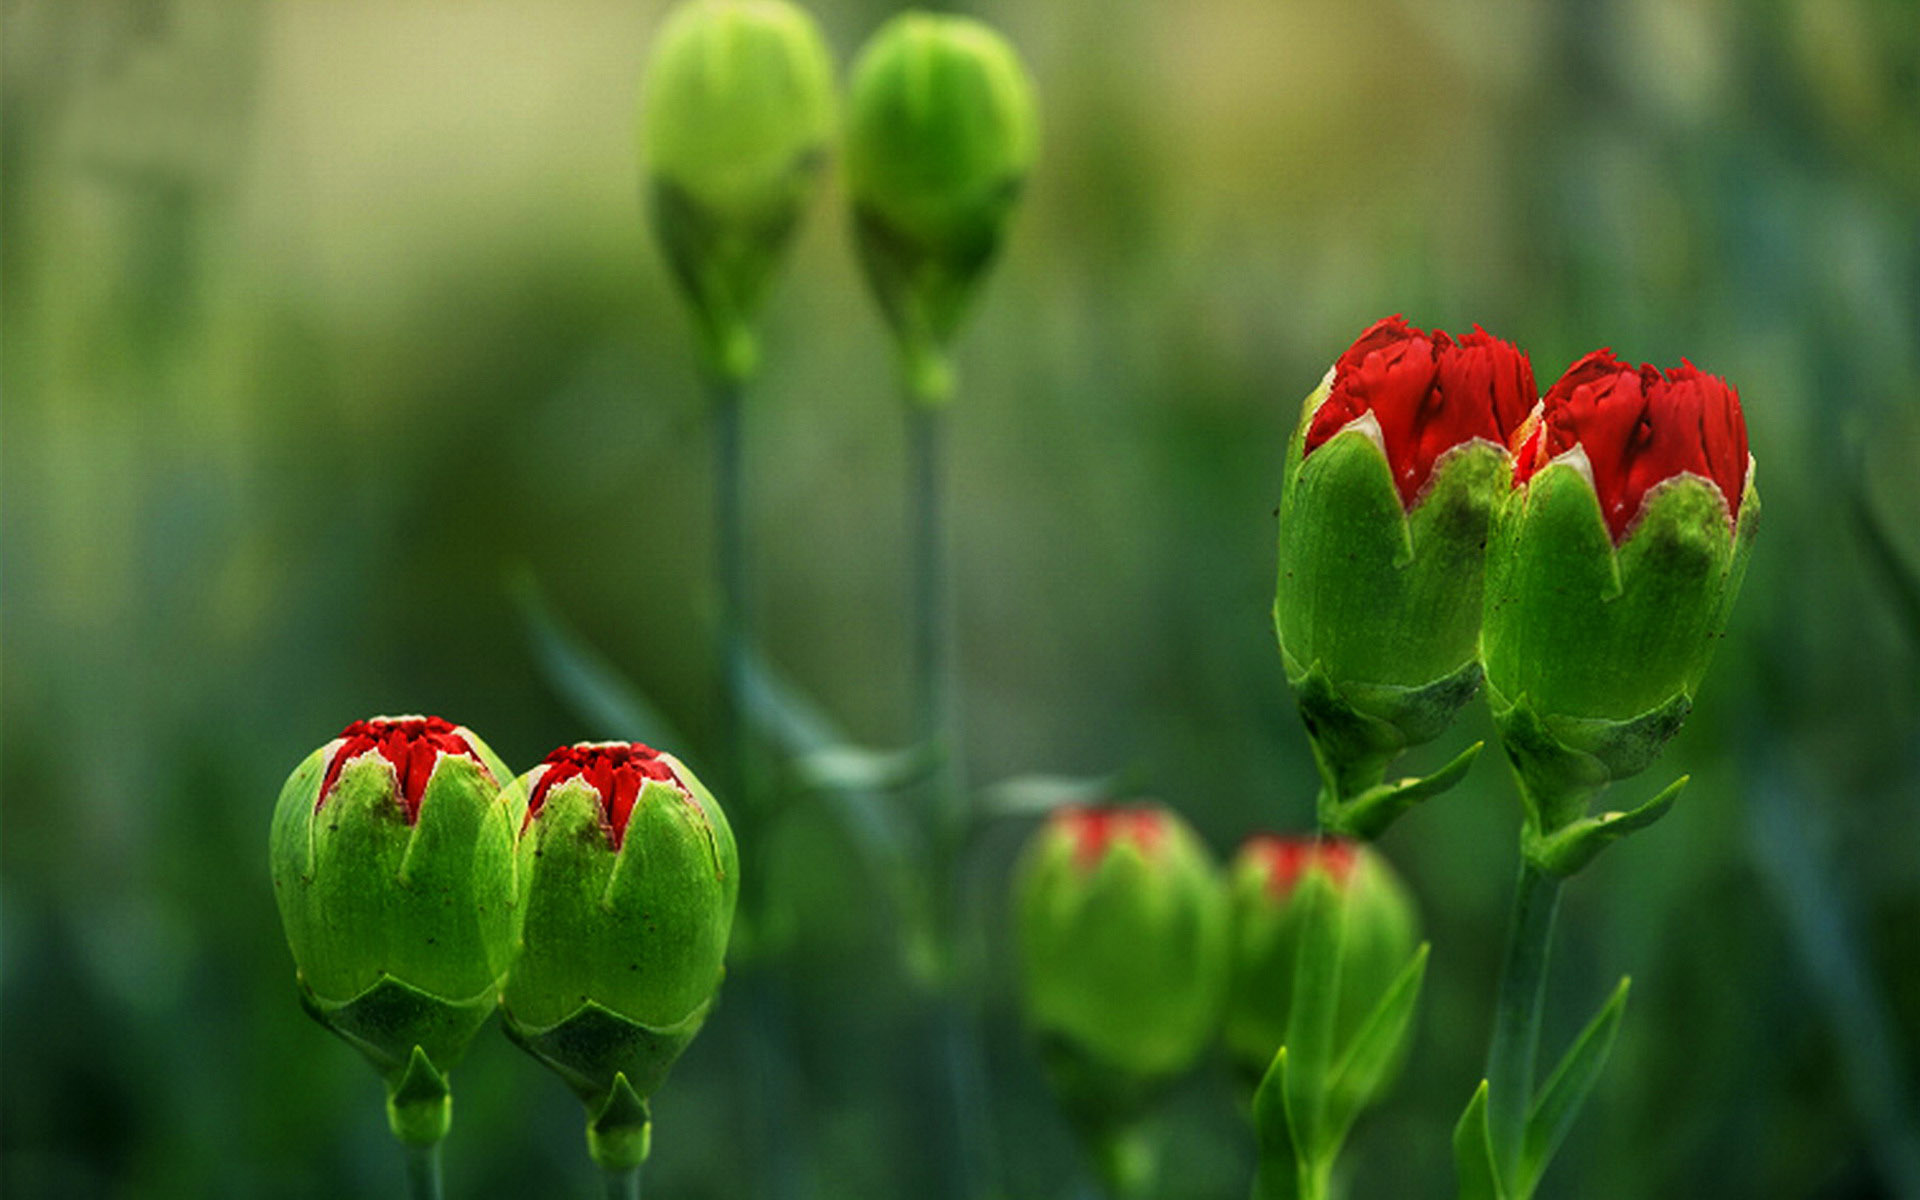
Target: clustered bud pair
pixel 422 885
pixel 738 118
pixel 1440 527
pixel 1137 955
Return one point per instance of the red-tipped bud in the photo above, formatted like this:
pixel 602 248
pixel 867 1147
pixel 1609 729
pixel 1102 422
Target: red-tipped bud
pixel 615 770
pixel 1096 830
pixel 1639 428
pixel 1428 393
pixel 1286 859
pixel 412 746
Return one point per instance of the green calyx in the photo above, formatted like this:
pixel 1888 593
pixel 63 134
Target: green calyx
pixel 942 134
pixel 736 119
pixel 1124 964
pixel 1593 652
pixel 400 932
pixel 1377 609
pixel 622 950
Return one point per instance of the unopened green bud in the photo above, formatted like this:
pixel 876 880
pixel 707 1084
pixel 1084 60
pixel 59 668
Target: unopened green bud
pixel 393 865
pixel 737 114
pixel 628 879
pixel 1611 570
pixel 1397 461
pixel 942 133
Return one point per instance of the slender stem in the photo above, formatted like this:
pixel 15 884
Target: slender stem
pixel 624 1185
pixel 730 569
pixel 933 709
pixel 423 1171
pixel 1516 1019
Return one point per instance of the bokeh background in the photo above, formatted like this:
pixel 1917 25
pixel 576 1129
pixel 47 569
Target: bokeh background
pixel 341 377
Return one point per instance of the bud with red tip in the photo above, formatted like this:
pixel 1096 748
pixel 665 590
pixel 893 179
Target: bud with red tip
pixel 1398 460
pixel 392 862
pixel 1611 570
pixel 628 880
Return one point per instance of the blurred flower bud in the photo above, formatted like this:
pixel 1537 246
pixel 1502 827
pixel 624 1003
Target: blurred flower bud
pixel 1122 933
pixel 392 862
pixel 1378 927
pixel 1397 462
pixel 628 878
pixel 1610 573
pixel 941 136
pixel 737 112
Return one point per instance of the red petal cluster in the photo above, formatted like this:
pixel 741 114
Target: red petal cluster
pixel 616 770
pixel 1286 859
pixel 1639 428
pixel 1094 830
pixel 1429 392
pixel 413 745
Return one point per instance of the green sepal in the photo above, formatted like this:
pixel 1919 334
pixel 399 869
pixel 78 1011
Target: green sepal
pixel 1367 815
pixel 1371 1058
pixel 1573 846
pixel 620 1128
pixel 1277 1177
pixel 724 265
pixel 1566 1090
pixel 419 1103
pixel 391 1021
pixel 1562 762
pixel 596 1050
pixel 1473 1163
pixel 1357 729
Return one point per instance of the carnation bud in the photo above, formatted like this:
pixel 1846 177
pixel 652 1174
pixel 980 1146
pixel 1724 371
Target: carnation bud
pixel 1612 566
pixel 392 862
pixel 737 112
pixel 1397 462
pixel 941 136
pixel 628 879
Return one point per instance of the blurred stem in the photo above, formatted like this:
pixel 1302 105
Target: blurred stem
pixel 933 711
pixel 423 1171
pixel 730 569
pixel 1516 1019
pixel 624 1185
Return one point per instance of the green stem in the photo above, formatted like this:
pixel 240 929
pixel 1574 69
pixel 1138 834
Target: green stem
pixel 1516 1020
pixel 423 1171
pixel 730 569
pixel 1316 1179
pixel 624 1185
pixel 933 705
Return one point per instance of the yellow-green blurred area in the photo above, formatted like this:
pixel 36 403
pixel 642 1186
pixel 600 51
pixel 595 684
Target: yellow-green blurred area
pixel 336 354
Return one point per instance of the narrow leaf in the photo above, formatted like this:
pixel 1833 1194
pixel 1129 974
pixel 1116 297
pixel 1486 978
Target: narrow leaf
pixel 1316 996
pixel 599 694
pixel 1559 1101
pixel 1278 1173
pixel 1374 1048
pixel 1038 795
pixel 1367 815
pixel 1473 1163
pixel 1567 850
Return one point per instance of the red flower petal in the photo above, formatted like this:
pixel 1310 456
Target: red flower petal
pixel 1429 393
pixel 616 771
pixel 1640 428
pixel 1286 859
pixel 412 745
pixel 1095 830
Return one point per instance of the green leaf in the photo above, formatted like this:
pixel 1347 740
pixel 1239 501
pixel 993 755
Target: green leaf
pixel 1374 1048
pixel 1038 795
pixel 1559 1101
pixel 1278 1174
pixel 1310 1024
pixel 1473 1162
pixel 1568 849
pixel 1367 815
pixel 595 689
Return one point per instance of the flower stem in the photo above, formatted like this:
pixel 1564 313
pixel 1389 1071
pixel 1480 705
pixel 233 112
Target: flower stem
pixel 624 1185
pixel 730 570
pixel 423 1171
pixel 1516 1019
pixel 933 709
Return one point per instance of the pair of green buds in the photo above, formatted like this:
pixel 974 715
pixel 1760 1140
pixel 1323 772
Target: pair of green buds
pixel 422 885
pixel 1137 954
pixel 738 118
pixel 1441 528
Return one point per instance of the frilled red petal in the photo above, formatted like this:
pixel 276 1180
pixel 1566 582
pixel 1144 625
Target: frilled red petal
pixel 616 771
pixel 412 745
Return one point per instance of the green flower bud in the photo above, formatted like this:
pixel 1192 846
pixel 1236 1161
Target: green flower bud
pixel 628 879
pixel 1611 570
pixel 1122 934
pixel 737 112
pixel 392 862
pixel 1397 462
pixel 1378 935
pixel 942 134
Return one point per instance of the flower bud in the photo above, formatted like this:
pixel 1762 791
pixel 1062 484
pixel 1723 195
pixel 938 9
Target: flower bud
pixel 1611 569
pixel 737 111
pixel 1122 934
pixel 392 862
pixel 628 878
pixel 1378 933
pixel 1398 460
pixel 941 136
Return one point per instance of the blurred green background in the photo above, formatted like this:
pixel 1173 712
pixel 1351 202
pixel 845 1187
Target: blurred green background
pixel 339 374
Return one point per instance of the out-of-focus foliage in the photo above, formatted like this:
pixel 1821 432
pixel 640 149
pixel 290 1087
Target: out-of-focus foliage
pixel 324 323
